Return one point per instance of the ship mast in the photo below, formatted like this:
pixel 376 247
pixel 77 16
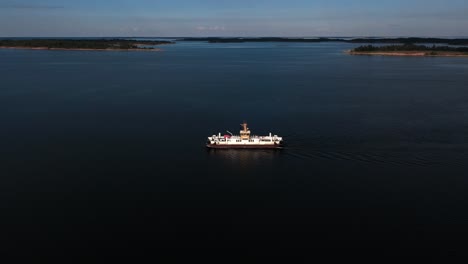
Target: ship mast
pixel 245 133
pixel 244 126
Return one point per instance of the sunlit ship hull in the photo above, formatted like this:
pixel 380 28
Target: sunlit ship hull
pixel 215 146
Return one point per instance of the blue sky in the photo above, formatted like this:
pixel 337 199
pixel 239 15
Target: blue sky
pixel 56 18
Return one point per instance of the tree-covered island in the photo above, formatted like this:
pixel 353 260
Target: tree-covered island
pixel 82 44
pixel 410 50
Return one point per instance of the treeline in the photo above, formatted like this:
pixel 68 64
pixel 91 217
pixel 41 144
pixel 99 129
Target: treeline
pixel 410 41
pixel 346 40
pixel 80 43
pixel 409 47
pixel 263 39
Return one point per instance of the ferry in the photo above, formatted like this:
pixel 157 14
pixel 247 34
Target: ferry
pixel 244 141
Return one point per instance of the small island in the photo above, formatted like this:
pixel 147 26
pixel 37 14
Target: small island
pixel 83 44
pixel 411 50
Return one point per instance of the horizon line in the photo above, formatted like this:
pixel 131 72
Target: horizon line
pixel 351 36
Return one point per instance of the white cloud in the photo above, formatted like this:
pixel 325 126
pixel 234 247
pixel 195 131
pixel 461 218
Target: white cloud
pixel 24 6
pixel 210 28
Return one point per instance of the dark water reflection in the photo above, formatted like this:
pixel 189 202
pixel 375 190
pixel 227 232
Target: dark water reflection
pixel 243 158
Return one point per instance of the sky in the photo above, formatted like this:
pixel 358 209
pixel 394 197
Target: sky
pixel 288 18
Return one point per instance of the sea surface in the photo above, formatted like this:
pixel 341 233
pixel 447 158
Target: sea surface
pixel 103 153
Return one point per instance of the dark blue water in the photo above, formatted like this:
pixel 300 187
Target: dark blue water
pixel 102 153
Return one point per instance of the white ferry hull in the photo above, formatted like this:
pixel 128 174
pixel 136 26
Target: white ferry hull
pixel 244 141
pixel 241 146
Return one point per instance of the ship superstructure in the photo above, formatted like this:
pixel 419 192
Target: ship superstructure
pixel 244 140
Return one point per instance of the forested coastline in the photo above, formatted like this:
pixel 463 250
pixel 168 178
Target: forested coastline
pixel 87 44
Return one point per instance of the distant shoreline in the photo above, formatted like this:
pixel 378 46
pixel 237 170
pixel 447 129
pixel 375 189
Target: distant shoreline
pixel 82 44
pixel 406 53
pixel 78 49
pixel 413 40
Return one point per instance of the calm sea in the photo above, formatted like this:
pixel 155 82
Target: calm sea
pixel 104 152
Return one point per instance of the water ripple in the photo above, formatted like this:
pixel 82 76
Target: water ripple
pixel 379 157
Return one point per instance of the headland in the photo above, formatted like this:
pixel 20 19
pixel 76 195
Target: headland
pixel 410 50
pixel 83 44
